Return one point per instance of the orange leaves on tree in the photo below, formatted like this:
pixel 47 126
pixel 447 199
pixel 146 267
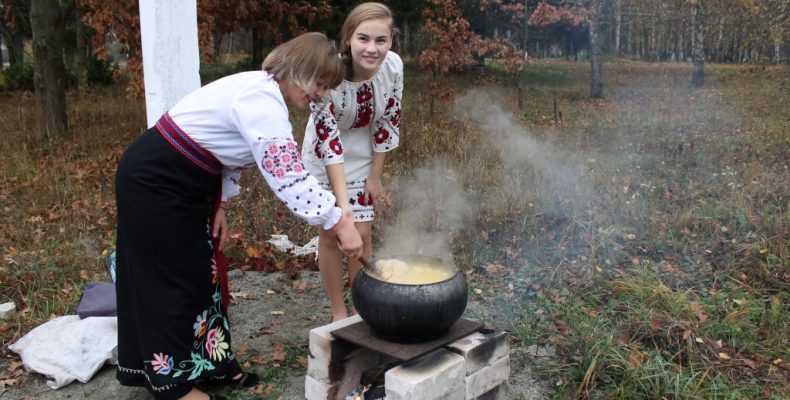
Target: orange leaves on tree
pixel 115 20
pixel 546 14
pixel 453 43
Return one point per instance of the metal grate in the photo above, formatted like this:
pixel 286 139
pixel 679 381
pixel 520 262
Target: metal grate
pixel 360 335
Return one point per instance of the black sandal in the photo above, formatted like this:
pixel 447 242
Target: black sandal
pixel 246 381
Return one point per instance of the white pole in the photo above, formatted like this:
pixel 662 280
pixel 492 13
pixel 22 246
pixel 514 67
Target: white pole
pixel 171 60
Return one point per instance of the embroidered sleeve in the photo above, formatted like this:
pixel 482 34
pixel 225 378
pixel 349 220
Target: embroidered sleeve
pixel 327 147
pixel 263 122
pixel 386 130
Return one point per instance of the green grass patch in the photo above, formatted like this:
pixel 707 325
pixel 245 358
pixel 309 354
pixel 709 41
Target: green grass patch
pixel 641 239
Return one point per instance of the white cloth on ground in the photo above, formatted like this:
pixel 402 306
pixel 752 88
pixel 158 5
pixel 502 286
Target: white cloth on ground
pixel 282 243
pixel 69 348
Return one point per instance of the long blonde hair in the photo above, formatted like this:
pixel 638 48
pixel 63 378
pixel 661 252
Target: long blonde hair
pixel 304 60
pixel 361 13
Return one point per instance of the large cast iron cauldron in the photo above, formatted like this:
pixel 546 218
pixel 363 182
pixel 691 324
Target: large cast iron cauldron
pixel 410 313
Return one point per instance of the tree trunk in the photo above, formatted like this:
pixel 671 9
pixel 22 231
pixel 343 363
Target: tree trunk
pixel 697 52
pixel 629 37
pixel 618 18
pixel 652 47
pixel 681 52
pixel 596 78
pixel 216 44
pixel 257 49
pixel 406 39
pixel 2 61
pixel 49 73
pixel 720 40
pixel 16 49
pixel 81 53
pixel 525 34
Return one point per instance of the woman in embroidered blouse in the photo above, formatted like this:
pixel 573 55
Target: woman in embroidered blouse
pixel 171 187
pixel 348 135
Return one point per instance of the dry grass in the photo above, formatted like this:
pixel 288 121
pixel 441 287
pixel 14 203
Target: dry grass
pixel 621 232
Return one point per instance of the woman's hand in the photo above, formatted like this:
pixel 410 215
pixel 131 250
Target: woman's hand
pixel 348 238
pixel 220 227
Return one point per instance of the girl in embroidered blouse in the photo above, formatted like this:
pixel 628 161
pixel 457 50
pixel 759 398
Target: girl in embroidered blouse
pixel 171 186
pixel 349 134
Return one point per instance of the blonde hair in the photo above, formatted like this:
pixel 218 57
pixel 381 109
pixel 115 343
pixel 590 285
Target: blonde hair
pixel 361 13
pixel 304 60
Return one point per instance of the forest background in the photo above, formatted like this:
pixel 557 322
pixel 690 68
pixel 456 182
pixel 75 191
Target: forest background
pixel 611 175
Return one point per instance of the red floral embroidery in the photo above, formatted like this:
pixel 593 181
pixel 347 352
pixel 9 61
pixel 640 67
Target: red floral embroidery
pixel 364 115
pixel 317 150
pixel 322 131
pixel 366 104
pixel 335 145
pixel 381 136
pixel 364 94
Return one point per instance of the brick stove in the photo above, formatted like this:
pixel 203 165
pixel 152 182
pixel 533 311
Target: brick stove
pixel 470 362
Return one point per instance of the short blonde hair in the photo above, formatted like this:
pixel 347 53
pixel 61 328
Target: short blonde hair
pixel 361 13
pixel 304 60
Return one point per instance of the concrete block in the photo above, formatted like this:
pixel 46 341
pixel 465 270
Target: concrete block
pixel 317 390
pixel 487 378
pixel 431 376
pixel 356 360
pixel 324 346
pixel 7 310
pixel 456 393
pixel 337 363
pixel 481 348
pixel 499 392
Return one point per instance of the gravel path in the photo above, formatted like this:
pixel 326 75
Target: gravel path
pixel 271 309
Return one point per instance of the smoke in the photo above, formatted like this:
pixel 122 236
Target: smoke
pixel 434 207
pixel 529 165
pixel 435 203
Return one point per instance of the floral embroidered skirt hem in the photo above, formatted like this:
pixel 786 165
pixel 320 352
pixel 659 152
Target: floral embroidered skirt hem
pixel 172 327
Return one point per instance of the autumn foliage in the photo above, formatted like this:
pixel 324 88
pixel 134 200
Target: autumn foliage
pixel 274 19
pixel 546 14
pixel 453 44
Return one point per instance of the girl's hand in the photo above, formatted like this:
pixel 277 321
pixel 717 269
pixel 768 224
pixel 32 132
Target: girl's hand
pixel 374 191
pixel 220 228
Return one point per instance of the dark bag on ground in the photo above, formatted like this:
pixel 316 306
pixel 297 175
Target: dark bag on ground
pixel 98 300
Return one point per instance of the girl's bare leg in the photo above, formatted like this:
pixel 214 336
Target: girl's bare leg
pixel 364 229
pixel 330 264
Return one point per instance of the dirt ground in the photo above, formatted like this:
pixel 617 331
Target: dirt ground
pixel 270 310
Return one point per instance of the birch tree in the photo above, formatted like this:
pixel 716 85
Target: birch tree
pixel 697 51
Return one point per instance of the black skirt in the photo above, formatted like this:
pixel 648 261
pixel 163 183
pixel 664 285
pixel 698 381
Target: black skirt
pixel 172 326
